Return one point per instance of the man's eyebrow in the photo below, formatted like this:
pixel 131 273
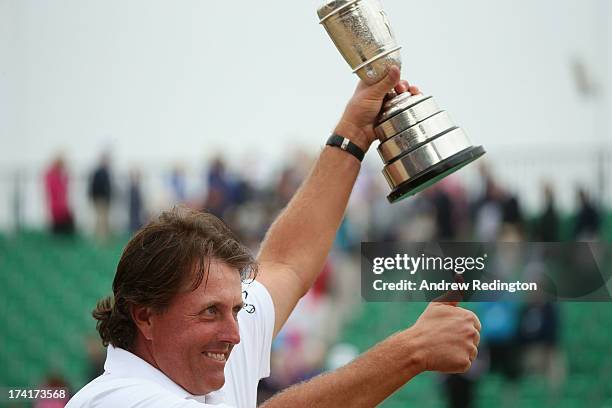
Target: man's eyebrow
pixel 215 302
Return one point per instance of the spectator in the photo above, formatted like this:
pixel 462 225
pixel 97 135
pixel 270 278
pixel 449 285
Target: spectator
pixel 547 229
pixel 218 199
pixel 100 192
pixel 588 220
pixel 136 216
pixel 489 214
pixel 513 220
pixel 449 202
pixel 443 205
pixel 56 186
pixel 540 322
pixel 178 185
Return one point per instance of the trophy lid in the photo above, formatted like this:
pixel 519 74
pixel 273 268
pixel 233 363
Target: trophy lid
pixel 332 6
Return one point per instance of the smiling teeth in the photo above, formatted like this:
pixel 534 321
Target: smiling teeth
pixel 216 356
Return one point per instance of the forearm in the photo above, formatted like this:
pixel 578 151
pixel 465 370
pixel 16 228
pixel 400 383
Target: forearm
pixel 302 235
pixel 365 382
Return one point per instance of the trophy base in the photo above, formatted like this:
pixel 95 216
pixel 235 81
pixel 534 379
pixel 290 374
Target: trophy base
pixel 420 144
pixel 435 173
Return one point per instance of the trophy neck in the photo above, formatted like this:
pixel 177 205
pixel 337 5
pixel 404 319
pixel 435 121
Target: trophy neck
pixel 397 104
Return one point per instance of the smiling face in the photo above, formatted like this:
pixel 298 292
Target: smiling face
pixel 192 340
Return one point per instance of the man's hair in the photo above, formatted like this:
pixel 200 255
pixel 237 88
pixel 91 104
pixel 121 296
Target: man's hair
pixel 169 255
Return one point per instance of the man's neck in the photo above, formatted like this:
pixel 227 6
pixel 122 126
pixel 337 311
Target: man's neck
pixel 142 350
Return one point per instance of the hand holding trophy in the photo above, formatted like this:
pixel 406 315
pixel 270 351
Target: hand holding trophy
pixel 419 143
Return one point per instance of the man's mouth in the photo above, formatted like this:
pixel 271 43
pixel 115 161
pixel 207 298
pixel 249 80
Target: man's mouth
pixel 216 356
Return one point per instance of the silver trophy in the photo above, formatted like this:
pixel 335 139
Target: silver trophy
pixel 419 143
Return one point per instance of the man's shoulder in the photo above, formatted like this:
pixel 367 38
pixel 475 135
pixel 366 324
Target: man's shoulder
pixel 255 291
pixel 258 314
pixel 111 391
pixel 250 359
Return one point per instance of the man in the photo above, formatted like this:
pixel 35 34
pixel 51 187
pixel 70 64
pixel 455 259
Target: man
pixel 100 193
pixel 176 333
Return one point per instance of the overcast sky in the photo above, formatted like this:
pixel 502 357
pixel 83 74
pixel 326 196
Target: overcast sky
pixel 163 81
pixel 176 79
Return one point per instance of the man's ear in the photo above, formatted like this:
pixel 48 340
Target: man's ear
pixel 142 318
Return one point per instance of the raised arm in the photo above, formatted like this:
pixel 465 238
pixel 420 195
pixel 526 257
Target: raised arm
pixel 298 242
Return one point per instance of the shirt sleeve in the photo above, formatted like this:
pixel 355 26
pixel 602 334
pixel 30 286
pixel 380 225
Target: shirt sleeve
pixel 259 323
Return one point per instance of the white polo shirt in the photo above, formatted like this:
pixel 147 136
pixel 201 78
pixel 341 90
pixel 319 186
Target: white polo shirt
pixel 129 381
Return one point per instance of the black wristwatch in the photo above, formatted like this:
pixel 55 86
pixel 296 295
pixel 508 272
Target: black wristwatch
pixel 346 145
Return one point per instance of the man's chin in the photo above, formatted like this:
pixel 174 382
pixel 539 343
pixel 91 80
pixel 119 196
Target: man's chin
pixel 210 385
pixel 217 384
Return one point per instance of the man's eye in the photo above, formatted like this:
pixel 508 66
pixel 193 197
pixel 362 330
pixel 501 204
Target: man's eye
pixel 210 311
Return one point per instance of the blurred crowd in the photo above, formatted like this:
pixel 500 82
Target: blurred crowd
pixel 448 211
pixel 519 337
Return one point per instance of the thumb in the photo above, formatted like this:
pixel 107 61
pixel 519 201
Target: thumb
pixel 380 89
pixel 452 297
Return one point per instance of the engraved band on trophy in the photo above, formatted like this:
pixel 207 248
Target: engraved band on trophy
pixel 419 143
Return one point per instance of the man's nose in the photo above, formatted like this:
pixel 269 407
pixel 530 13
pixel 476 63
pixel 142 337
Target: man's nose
pixel 230 332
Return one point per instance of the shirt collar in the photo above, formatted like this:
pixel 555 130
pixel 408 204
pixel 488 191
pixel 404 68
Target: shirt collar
pixel 122 363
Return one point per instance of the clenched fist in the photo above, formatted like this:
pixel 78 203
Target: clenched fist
pixel 357 122
pixel 445 337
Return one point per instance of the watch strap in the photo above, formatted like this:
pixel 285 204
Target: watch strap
pixel 345 144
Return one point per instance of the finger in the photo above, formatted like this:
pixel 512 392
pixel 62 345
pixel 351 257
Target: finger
pixel 402 87
pixel 477 322
pixel 474 319
pixel 380 89
pixel 452 297
pixel 414 90
pixel 476 339
pixel 473 353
